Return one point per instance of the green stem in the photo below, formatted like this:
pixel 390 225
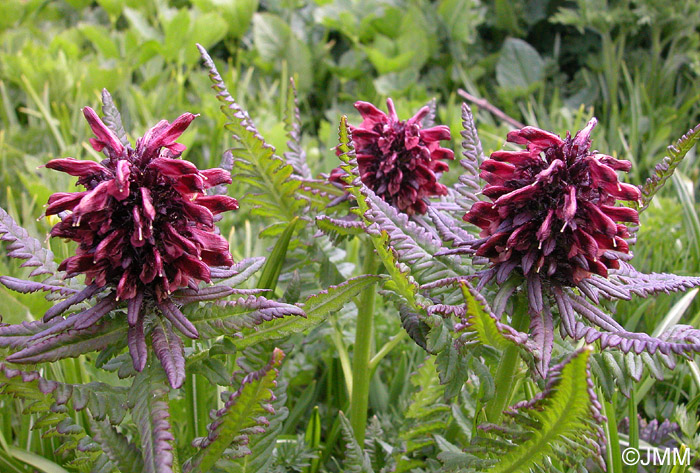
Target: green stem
pixel 508 366
pixel 386 349
pixel 361 353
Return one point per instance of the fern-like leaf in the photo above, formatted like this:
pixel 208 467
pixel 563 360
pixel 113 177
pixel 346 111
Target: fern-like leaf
pixel 271 190
pixel 296 156
pixel 231 317
pixel 120 451
pixel 668 165
pixel 479 319
pixel 356 459
pixel 25 247
pixel 243 413
pixel 426 415
pixel 468 187
pixel 338 229
pixel 112 117
pixel 71 343
pixel 316 308
pixel 563 417
pixel 50 400
pixel 148 400
pixel 263 446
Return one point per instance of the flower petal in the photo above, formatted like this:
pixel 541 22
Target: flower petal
pixel 105 137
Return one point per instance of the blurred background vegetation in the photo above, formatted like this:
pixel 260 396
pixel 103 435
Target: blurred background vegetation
pixel 635 65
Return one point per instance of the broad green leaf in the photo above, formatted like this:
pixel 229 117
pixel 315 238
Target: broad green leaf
pixel 175 40
pixel 237 14
pixel 100 38
pixel 519 65
pixel 207 30
pixel 273 265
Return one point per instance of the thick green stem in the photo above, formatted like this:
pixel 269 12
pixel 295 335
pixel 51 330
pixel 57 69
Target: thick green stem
pixel 508 366
pixel 361 354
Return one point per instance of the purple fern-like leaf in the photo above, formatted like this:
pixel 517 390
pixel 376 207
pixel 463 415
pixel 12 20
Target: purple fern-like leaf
pixel 112 118
pixel 25 287
pixel 170 351
pixel 65 304
pixel 148 399
pixel 19 335
pixel 136 340
pixel 296 156
pixel 25 247
pixel 230 317
pixel 469 186
pixel 238 272
pixel 71 343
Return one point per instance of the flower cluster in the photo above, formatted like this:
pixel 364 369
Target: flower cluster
pixel 399 160
pixel 144 224
pixel 552 208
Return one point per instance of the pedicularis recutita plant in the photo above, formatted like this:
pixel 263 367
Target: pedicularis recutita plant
pixel 479 274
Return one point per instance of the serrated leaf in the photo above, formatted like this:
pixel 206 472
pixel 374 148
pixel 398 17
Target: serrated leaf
pixel 561 414
pixel 271 192
pixel 25 247
pixel 667 166
pixel 241 411
pixel 229 317
pixel 481 321
pixel 122 453
pixel 317 308
pixel 148 400
pixel 72 343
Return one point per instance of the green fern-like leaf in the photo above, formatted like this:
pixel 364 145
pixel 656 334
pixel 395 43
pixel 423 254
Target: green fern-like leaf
pixel 668 165
pixel 243 413
pixel 271 190
pixel 562 418
pixel 262 445
pixel 401 282
pixel 356 459
pixel 481 321
pixel 49 400
pixel 426 415
pixel 317 308
pixel 121 452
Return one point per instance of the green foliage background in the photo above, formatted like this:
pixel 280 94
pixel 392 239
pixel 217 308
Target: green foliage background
pixel 548 63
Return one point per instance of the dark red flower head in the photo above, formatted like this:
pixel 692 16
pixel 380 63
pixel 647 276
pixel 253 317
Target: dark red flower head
pixel 143 223
pixel 552 208
pixel 399 160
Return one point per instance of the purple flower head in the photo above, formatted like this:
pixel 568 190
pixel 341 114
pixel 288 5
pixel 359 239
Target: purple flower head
pixel 144 227
pixel 399 160
pixel 552 208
